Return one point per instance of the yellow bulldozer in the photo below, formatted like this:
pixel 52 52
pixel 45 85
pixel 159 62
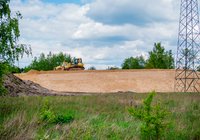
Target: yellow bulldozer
pixel 76 64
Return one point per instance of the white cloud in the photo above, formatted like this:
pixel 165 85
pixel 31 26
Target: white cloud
pixel 68 28
pixel 95 30
pixel 48 21
pixel 138 12
pixel 155 31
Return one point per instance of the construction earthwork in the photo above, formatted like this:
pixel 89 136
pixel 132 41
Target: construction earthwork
pixel 103 81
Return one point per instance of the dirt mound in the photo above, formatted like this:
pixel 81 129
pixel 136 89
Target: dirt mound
pixel 33 72
pixel 18 87
pixel 105 81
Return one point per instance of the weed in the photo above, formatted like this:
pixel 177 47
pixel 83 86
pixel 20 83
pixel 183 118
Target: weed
pixel 153 126
pixel 96 117
pixel 49 116
pixel 59 119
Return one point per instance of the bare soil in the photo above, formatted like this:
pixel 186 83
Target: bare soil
pixel 18 87
pixel 104 81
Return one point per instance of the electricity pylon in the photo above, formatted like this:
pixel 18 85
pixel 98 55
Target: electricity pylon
pixel 187 79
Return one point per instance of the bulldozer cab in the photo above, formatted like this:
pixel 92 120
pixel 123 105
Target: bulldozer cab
pixel 77 60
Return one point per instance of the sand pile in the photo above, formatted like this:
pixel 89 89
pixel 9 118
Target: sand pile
pixel 18 87
pixel 33 72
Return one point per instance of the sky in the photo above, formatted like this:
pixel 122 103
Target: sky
pixel 102 32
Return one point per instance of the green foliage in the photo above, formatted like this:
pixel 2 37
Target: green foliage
pixel 92 68
pixel 4 69
pixel 152 117
pixel 46 113
pixel 96 117
pixel 134 63
pixel 198 68
pixel 48 62
pixel 13 69
pixel 113 68
pixel 59 119
pixel 9 34
pixel 10 68
pixel 49 116
pixel 159 58
pixel 2 72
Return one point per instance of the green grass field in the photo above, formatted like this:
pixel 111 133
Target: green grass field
pixel 96 117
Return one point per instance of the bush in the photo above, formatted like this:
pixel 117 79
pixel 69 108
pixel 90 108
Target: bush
pixel 3 71
pixel 113 68
pixel 152 117
pixel 92 68
pixel 59 119
pixel 49 116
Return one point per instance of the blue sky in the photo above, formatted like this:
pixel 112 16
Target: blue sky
pixel 80 2
pixel 102 32
pixel 63 1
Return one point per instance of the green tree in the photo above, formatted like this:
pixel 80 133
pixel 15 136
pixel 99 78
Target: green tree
pixel 113 68
pixel 134 63
pixel 12 68
pixel 48 62
pixel 159 58
pixel 92 68
pixel 198 68
pixel 9 34
pixel 10 50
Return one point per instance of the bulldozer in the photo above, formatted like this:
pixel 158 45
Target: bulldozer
pixel 76 64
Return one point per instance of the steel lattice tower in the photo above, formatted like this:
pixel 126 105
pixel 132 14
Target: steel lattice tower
pixel 187 78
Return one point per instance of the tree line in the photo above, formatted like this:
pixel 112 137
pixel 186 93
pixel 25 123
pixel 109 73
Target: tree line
pixel 158 59
pixel 48 62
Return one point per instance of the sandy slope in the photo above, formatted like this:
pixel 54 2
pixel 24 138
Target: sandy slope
pixel 104 81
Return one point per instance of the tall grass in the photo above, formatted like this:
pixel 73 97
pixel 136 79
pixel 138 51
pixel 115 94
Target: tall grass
pixel 95 117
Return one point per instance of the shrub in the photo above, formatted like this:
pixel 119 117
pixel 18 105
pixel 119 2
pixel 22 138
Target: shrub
pixel 59 119
pixel 152 117
pixel 49 116
pixel 3 71
pixel 113 68
pixel 92 68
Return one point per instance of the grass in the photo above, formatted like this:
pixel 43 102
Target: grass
pixel 95 117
